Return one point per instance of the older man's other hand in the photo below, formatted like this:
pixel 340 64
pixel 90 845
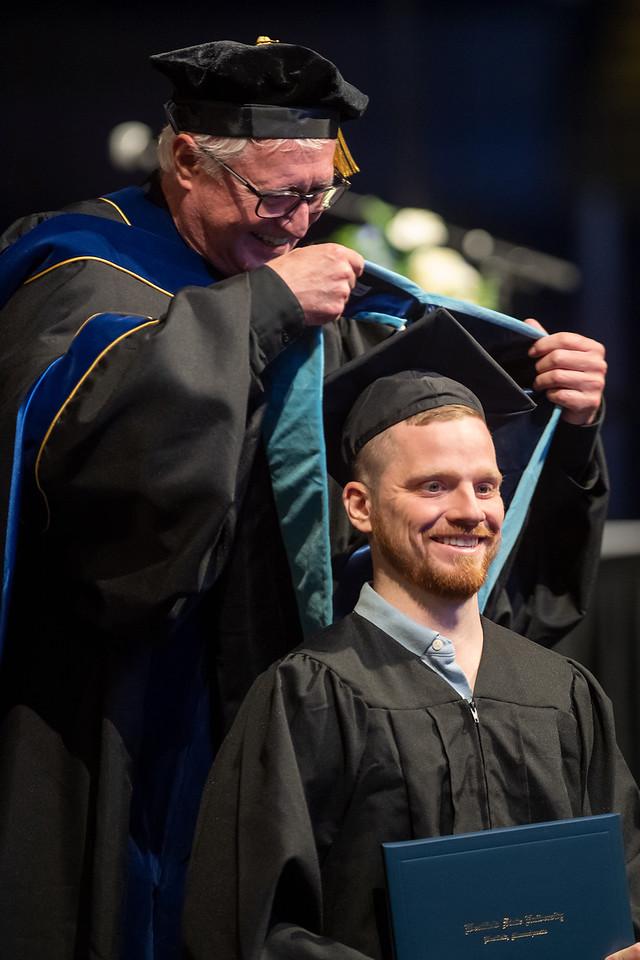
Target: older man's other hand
pixel 571 369
pixel 321 277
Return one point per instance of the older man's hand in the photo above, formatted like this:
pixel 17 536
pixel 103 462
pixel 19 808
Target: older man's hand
pixel 571 370
pixel 322 278
pixel 629 953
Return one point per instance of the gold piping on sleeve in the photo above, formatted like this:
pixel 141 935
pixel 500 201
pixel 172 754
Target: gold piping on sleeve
pixel 123 336
pixel 101 313
pixel 109 263
pixel 116 207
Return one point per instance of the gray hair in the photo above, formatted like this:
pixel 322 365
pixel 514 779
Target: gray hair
pixel 210 149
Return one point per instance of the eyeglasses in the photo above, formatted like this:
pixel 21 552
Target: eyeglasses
pixel 282 203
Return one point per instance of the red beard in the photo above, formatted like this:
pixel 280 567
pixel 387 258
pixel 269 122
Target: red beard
pixel 457 581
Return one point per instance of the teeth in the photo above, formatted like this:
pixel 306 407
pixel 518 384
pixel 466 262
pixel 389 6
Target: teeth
pixel 459 541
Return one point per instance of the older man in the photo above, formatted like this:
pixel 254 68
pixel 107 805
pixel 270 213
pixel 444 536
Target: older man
pixel 147 566
pixel 412 717
pixel 160 368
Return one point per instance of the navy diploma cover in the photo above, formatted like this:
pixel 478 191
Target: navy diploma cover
pixel 546 890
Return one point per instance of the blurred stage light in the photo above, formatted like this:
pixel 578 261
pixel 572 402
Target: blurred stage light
pixel 132 147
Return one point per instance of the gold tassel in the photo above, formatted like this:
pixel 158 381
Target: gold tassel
pixel 262 40
pixel 343 162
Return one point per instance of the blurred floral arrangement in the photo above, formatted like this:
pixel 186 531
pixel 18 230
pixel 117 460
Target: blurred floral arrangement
pixel 414 242
pixel 465 264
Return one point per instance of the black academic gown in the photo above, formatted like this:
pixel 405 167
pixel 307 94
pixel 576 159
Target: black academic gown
pixel 151 583
pixel 352 741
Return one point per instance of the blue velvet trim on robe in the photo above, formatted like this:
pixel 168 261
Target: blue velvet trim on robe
pixel 35 415
pixel 21 443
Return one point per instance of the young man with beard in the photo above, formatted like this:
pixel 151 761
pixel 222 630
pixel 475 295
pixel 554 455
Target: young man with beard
pixel 412 717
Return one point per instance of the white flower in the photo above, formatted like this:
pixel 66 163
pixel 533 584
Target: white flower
pixel 443 270
pixel 410 228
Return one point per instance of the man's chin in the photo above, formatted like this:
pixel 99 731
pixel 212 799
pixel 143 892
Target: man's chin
pixel 452 588
pixel 457 581
pixel 250 255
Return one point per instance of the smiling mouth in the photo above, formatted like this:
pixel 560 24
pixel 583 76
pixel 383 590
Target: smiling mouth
pixel 466 542
pixel 271 241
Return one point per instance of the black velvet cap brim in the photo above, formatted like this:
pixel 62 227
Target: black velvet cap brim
pixel 230 75
pixel 436 346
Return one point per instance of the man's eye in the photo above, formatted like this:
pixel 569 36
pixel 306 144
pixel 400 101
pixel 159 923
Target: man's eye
pixel 432 486
pixel 486 489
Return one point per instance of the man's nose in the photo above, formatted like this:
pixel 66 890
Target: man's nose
pixel 464 506
pixel 297 222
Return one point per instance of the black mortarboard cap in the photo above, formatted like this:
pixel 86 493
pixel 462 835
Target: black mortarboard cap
pixel 271 90
pixel 433 363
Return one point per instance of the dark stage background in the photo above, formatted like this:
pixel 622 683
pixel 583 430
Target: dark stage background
pixel 519 119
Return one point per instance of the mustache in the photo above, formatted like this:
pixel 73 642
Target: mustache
pixel 479 530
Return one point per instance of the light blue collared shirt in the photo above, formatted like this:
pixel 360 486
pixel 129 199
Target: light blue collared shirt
pixel 435 651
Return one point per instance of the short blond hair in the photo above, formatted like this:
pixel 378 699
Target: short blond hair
pixel 370 460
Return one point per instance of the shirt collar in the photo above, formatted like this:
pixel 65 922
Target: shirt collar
pixel 379 611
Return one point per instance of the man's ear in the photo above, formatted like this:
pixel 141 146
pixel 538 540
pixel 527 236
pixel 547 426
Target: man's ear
pixel 185 161
pixel 356 498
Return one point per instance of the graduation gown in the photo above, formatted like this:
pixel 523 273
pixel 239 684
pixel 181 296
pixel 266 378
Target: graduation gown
pixel 151 584
pixel 352 741
pixel 150 581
